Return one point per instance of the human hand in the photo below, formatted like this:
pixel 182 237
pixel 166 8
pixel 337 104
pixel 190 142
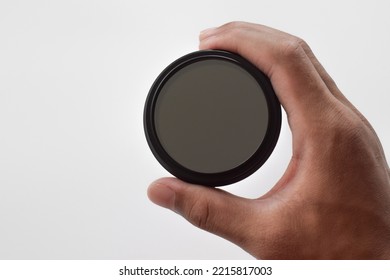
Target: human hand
pixel 333 201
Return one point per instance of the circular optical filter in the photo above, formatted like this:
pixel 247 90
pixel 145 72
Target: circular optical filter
pixel 212 118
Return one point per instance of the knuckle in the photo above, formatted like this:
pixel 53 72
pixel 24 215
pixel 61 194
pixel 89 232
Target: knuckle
pixel 347 130
pixel 292 47
pixel 234 28
pixel 199 214
pixel 355 133
pixel 348 124
pixel 234 25
pixel 304 45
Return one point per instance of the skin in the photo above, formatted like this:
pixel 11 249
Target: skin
pixel 333 201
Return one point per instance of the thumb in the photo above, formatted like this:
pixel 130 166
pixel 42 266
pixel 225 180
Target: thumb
pixel 211 209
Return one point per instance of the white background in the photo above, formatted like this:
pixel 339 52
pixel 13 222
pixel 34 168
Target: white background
pixel 74 75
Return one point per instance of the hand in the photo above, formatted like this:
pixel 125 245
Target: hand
pixel 333 201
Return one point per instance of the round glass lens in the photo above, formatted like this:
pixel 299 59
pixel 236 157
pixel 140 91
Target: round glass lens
pixel 211 116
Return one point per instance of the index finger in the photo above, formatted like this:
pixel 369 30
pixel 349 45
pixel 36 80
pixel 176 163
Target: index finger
pixel 298 85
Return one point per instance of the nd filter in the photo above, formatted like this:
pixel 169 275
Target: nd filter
pixel 212 118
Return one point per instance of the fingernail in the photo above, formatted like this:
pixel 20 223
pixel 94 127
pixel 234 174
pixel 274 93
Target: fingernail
pixel 161 195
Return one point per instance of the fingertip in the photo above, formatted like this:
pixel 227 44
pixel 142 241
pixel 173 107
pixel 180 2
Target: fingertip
pixel 209 43
pixel 161 193
pixel 207 32
pixel 203 46
pixel 206 38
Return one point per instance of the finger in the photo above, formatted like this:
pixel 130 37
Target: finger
pixel 322 72
pixel 207 32
pixel 210 209
pixel 299 87
pixel 330 83
pixel 337 93
pixel 327 79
